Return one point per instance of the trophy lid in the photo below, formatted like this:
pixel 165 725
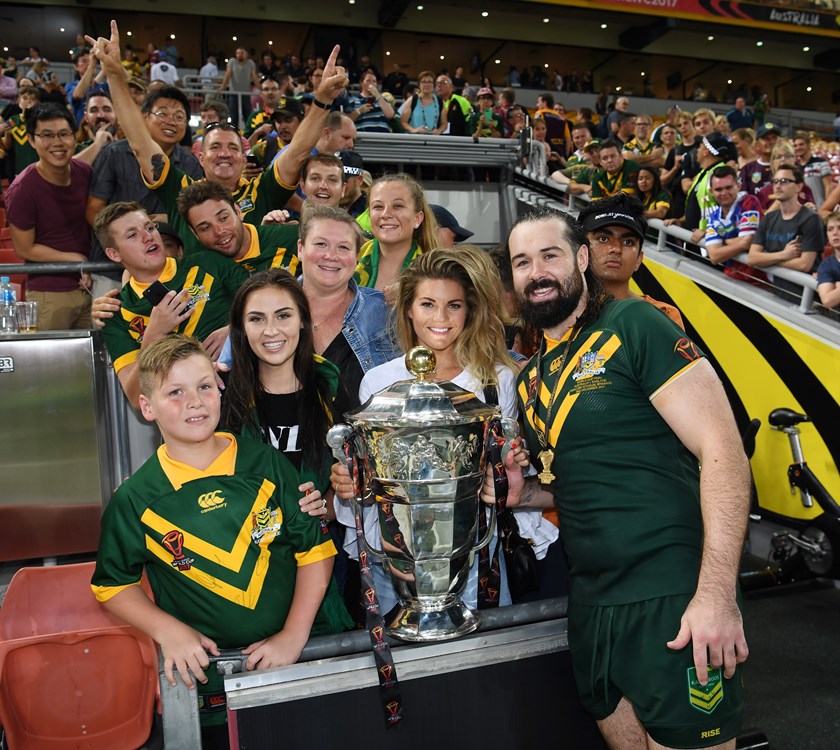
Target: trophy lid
pixel 422 401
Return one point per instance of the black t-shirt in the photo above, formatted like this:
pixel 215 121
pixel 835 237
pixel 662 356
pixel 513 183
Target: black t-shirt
pixel 278 414
pixel 343 357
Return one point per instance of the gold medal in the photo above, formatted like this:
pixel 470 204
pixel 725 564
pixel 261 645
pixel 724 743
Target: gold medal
pixel 546 457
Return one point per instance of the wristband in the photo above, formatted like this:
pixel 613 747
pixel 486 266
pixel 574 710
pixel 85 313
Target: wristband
pixel 321 105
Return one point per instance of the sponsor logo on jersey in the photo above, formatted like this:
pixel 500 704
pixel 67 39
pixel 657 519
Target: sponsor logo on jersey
pixel 685 348
pixel 211 501
pixel 196 294
pixel 245 205
pixel 266 524
pixel 705 698
pixel 174 543
pixel 589 365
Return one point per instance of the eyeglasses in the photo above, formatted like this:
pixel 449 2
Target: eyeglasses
pixel 48 137
pixel 220 126
pixel 178 117
pixel 782 181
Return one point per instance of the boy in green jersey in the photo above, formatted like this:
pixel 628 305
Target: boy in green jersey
pixel 215 521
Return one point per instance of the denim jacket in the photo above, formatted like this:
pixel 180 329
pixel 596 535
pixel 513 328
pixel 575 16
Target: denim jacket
pixel 367 328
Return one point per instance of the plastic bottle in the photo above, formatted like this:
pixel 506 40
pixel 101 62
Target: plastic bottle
pixel 8 308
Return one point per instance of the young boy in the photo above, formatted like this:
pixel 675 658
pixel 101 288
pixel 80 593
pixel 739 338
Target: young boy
pixel 828 273
pixel 214 520
pixel 201 290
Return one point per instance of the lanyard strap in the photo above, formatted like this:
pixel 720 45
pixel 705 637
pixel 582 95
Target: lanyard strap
pixel 386 671
pixel 489 571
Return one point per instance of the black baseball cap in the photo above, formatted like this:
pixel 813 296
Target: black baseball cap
pixel 448 221
pixel 354 165
pixel 289 107
pixel 615 217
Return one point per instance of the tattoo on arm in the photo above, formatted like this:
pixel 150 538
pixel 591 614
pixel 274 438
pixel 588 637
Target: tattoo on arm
pixel 158 163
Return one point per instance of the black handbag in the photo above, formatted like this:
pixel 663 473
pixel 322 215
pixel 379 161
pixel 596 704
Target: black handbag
pixel 523 573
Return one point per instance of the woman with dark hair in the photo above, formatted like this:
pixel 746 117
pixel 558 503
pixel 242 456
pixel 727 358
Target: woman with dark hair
pixel 656 201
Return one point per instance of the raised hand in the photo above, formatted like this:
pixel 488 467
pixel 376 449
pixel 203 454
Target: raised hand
pixel 107 51
pixel 334 80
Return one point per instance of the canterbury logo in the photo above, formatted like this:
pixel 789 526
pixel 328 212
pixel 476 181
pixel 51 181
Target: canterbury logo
pixel 210 499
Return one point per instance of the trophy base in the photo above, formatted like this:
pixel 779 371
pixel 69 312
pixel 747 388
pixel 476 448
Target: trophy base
pixel 451 621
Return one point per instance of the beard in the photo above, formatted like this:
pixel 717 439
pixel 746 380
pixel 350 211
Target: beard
pixel 553 312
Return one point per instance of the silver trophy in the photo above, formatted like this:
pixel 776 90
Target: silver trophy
pixel 422 446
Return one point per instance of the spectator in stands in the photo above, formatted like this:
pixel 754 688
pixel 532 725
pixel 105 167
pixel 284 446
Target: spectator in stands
pixel 449 230
pixel 365 65
pixel 783 154
pixel 459 112
pixel 616 175
pixel 731 222
pixel 756 174
pixel 722 125
pixel 672 166
pixel 425 112
pixel 640 148
pixel 46 212
pixel 740 116
pixel 396 80
pixel 507 98
pixel 622 106
pixel 240 75
pixel 762 109
pixel 616 231
pixel 403 227
pixel 487 123
pixel 672 118
pixel 138 89
pixel 259 119
pixel 213 110
pixel 162 70
pixel 743 139
pixel 703 121
pixel 585 116
pixel 578 178
pixel 458 80
pixel 580 137
pixel 15 137
pixel 208 72
pixel 655 200
pixel 832 202
pixel 99 127
pixel 791 237
pixel 371 112
pixel 77 91
pixel 354 200
pixel 816 169
pixel 322 179
pixel 559 135
pixel 828 273
pixel 626 126
pixel 282 125
pixel 268 67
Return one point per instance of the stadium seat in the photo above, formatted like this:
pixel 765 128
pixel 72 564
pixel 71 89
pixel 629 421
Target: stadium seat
pixel 6 235
pixel 72 676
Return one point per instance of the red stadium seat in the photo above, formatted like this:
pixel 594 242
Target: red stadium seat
pixel 72 676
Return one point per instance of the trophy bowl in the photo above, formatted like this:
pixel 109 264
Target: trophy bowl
pixel 422 446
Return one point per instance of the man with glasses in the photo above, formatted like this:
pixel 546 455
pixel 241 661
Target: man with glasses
pixel 640 148
pixel 46 210
pixel 260 119
pixel 791 237
pixel 459 111
pixel 164 118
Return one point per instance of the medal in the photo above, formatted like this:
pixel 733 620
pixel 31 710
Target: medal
pixel 546 459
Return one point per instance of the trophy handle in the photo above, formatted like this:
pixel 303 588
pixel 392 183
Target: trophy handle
pixel 491 527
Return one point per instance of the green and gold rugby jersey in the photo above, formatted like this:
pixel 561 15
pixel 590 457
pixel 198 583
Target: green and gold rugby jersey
pixel 605 184
pixel 367 268
pixel 24 151
pixel 212 281
pixel 626 489
pixel 271 246
pixel 221 546
pixel 255 199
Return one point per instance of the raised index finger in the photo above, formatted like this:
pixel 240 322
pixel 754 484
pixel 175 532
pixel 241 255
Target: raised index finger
pixel 329 68
pixel 115 32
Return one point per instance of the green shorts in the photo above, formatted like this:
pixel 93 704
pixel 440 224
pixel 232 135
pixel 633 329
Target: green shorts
pixel 620 651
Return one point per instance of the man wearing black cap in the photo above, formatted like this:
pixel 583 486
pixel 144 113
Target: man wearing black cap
pixel 354 200
pixel 756 174
pixel 449 230
pixel 283 120
pixel 616 229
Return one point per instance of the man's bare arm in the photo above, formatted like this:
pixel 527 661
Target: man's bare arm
pixel 23 241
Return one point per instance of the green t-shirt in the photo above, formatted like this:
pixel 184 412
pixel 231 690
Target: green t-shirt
pixel 255 198
pixel 212 281
pixel 626 489
pixel 221 546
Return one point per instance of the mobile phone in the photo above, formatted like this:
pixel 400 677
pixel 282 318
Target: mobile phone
pixel 252 159
pixel 155 293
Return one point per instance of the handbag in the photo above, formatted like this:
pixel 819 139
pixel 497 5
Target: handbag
pixel 523 572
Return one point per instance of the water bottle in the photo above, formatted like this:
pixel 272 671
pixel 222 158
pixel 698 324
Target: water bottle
pixel 8 307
